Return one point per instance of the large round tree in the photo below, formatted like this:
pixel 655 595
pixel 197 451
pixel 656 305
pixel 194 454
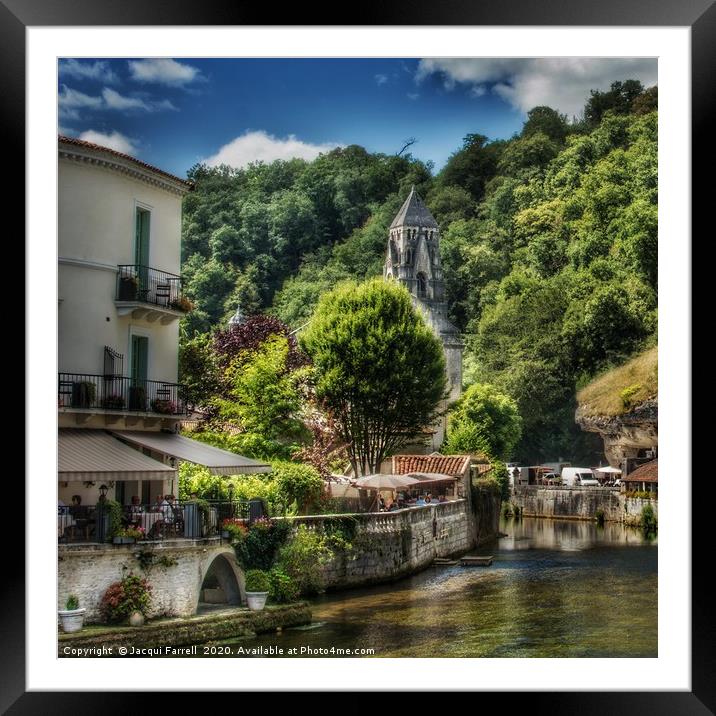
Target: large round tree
pixel 380 370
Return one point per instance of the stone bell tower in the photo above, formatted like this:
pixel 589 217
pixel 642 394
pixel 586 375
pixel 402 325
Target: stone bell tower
pixel 413 258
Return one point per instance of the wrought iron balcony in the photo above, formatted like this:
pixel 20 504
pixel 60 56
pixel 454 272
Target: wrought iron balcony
pixel 120 394
pixel 149 293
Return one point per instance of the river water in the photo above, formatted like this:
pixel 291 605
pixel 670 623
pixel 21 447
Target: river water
pixel 556 588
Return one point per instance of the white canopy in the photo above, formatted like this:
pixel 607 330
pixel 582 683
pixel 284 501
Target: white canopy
pixel 608 468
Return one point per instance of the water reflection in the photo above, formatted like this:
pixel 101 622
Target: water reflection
pixel 556 589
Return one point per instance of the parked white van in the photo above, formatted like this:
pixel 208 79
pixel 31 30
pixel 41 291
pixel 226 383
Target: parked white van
pixel 579 477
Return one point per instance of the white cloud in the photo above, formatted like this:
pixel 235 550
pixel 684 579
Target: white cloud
pixel 478 91
pixel 100 71
pixel 260 146
pixel 381 79
pixel 413 95
pixel 71 99
pixel 114 100
pixel 560 83
pixel 164 71
pixel 113 140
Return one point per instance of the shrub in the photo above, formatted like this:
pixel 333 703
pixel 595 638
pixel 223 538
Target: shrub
pixel 488 484
pixel 647 520
pixel 297 483
pixel 302 559
pixel 627 395
pixel 114 510
pixel 283 588
pixel 257 581
pixel 72 603
pixel 130 594
pixel 261 544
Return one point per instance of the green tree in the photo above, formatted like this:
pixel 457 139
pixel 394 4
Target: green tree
pixel 472 166
pixel 484 420
pixel 380 371
pixel 296 483
pixel 547 121
pixel 267 396
pixel 198 369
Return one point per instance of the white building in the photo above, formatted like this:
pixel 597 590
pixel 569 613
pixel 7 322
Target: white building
pixel 119 305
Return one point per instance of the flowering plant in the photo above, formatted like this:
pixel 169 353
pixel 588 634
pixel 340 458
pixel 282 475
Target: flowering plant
pixel 235 527
pixel 167 407
pixel 131 594
pixel 135 532
pixel 261 523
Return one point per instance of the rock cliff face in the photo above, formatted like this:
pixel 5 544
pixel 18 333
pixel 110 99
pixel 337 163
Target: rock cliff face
pixel 625 434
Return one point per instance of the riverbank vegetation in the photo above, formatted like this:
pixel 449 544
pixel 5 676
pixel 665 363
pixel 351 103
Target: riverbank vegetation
pixel 549 252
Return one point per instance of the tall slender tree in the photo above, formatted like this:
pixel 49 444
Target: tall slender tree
pixel 379 369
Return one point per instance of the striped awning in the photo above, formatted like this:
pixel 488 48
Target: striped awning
pixel 94 455
pixel 219 462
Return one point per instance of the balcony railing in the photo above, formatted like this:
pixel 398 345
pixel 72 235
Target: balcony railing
pixel 148 285
pixel 120 393
pixel 191 519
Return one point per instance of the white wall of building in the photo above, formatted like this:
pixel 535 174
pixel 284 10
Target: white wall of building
pixel 97 208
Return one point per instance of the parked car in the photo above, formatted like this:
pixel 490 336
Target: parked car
pixel 579 477
pixel 551 478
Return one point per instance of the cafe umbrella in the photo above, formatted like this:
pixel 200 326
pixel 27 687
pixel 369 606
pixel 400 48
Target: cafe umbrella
pixel 380 482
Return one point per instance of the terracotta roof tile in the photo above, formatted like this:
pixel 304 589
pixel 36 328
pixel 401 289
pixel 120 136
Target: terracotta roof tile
pixel 98 147
pixel 648 472
pixel 453 465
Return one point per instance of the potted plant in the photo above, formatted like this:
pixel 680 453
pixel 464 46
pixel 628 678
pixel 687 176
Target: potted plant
pixel 182 303
pixel 128 535
pixel 234 529
pixel 128 287
pixel 166 407
pixel 108 517
pixel 113 402
pixel 83 394
pixel 71 617
pixel 129 599
pixel 258 585
pixel 137 397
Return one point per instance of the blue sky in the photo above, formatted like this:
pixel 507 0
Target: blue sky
pixel 176 112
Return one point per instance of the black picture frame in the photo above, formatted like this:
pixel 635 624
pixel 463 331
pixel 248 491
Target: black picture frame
pixel 699 15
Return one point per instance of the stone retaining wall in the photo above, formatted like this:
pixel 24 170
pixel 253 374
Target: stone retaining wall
pixel 390 545
pixel 164 634
pixel 86 570
pixel 579 503
pixel 386 546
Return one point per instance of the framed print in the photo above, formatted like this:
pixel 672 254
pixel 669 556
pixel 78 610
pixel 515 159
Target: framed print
pixel 353 352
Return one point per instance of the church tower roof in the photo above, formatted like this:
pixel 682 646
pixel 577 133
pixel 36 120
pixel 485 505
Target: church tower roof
pixel 414 213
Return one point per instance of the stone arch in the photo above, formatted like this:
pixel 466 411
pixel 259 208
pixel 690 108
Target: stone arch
pixel 221 580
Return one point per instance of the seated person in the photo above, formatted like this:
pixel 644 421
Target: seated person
pixel 77 509
pixel 420 501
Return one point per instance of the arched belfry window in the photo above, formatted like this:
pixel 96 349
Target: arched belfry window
pixel 422 285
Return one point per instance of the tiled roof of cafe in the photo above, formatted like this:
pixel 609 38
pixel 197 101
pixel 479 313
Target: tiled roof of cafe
pixel 649 472
pixel 445 464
